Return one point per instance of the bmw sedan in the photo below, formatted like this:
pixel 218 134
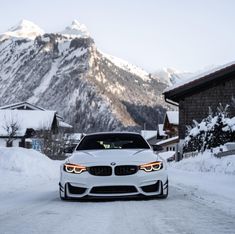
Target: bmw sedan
pixel 113 165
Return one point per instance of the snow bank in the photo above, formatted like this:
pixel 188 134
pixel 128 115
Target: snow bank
pixel 207 179
pixel 206 162
pixel 27 163
pixel 167 154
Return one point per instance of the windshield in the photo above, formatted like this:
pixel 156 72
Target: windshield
pixel 113 141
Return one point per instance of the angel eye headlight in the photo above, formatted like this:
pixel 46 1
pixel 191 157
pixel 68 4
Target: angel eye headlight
pixel 153 166
pixel 74 168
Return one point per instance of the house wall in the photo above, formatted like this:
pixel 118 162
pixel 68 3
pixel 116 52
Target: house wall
pixel 195 106
pixel 169 147
pixel 15 142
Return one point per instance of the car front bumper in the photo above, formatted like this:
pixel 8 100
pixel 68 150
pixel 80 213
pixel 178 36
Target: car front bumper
pixel 140 183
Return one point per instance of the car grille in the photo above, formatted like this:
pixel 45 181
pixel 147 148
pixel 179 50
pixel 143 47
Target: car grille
pixel 100 170
pixel 113 189
pixel 125 170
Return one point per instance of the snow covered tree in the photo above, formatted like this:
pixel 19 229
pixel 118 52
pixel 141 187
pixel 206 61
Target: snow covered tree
pixel 211 132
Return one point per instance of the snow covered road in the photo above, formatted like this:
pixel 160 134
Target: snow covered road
pixel 39 210
pixel 198 202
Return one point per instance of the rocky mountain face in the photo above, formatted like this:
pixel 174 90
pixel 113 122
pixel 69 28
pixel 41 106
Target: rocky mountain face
pixel 66 72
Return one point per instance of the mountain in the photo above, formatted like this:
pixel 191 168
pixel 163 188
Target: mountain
pixel 66 72
pixel 25 29
pixel 171 76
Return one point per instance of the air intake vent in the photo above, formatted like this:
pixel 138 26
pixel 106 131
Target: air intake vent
pixel 113 189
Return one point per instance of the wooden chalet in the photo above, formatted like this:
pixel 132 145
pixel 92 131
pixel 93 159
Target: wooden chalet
pixel 63 126
pixel 29 124
pixel 196 95
pixel 171 123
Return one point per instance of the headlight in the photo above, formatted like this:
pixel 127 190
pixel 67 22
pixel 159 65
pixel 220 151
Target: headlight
pixel 74 168
pixel 153 166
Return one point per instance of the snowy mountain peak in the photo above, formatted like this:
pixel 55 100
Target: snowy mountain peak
pixel 67 73
pixel 76 29
pixel 24 29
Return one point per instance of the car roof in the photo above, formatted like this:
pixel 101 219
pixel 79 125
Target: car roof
pixel 112 133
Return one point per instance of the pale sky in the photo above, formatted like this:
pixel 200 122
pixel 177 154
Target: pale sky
pixel 183 34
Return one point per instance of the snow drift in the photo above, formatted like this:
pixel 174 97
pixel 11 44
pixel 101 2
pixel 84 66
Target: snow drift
pixel 206 162
pixel 27 163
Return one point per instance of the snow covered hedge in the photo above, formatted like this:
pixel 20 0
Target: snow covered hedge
pixel 213 131
pixel 205 162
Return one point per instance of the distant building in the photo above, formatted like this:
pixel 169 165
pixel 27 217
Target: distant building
pixel 28 106
pixel 171 123
pixel 170 129
pixel 22 106
pixel 37 128
pixel 28 124
pixel 161 135
pixel 150 136
pixel 169 144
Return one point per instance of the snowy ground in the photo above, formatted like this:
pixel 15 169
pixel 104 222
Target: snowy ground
pixel 200 201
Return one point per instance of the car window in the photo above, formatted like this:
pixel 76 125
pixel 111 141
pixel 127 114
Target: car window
pixel 112 141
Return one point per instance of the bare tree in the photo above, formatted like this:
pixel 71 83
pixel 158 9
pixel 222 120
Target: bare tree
pixel 53 141
pixel 11 126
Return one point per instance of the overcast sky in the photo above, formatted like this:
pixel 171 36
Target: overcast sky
pixel 184 34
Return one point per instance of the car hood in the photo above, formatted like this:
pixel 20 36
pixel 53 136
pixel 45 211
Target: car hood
pixel 119 157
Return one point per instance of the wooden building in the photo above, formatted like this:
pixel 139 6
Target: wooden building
pixel 196 95
pixel 27 125
pixel 161 135
pixel 150 136
pixel 62 126
pixel 171 123
pixel 35 127
pixel 170 128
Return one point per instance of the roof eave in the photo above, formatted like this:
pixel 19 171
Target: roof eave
pixel 180 92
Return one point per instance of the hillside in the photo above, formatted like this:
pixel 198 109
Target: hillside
pixel 66 72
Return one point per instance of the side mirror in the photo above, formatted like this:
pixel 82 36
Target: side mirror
pixel 157 147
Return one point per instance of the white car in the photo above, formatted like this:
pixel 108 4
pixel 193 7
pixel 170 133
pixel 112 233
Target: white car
pixel 113 165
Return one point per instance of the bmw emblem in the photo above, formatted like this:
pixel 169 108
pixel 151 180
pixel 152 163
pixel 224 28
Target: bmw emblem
pixel 112 163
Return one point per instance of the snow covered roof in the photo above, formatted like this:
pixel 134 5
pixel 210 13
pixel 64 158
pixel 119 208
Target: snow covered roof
pixel 148 134
pixel 183 87
pixel 161 132
pixel 168 141
pixel 173 117
pixel 65 125
pixel 25 29
pixel 36 120
pixel 30 106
